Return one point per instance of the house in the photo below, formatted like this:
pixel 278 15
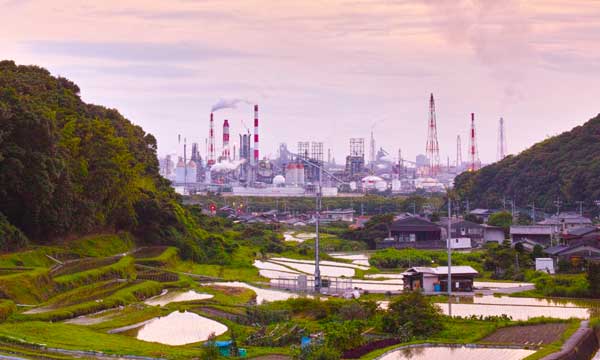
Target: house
pixel 536 234
pixel 346 215
pixel 431 279
pixel 482 215
pixel 579 232
pixel 586 248
pixel 478 233
pixel 414 232
pixel 359 222
pixel 565 220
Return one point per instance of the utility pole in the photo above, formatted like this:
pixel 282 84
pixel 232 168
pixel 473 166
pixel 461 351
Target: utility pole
pixel 533 211
pixel 317 220
pixel 557 203
pixel 449 246
pixel 580 208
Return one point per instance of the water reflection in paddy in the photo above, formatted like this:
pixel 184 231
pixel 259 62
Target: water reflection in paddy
pixel 516 312
pixel 456 353
pixel 176 296
pixel 179 328
pixel 261 294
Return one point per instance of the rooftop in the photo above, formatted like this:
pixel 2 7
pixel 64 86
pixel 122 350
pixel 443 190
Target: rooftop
pixel 442 270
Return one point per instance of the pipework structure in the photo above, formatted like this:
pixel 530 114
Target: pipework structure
pixel 432 147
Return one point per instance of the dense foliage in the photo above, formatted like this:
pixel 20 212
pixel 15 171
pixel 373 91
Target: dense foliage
pixel 404 258
pixel 68 168
pixel 565 166
pixel 413 313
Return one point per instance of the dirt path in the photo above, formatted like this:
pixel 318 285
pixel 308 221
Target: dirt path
pixel 541 334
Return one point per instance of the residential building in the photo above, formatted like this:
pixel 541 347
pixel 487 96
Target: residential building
pixel 538 234
pixel 482 215
pixel 565 220
pixel 429 279
pixel 414 232
pixel 346 215
pixel 478 233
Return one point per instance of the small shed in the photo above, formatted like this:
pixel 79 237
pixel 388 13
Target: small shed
pixel 431 279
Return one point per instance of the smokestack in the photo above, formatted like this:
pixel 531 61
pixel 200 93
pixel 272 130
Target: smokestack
pixel 211 141
pixel 256 154
pixel 473 152
pixel 226 140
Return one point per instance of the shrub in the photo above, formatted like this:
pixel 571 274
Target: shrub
pixel 414 311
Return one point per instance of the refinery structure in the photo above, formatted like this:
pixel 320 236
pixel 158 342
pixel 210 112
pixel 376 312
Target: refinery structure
pixel 234 165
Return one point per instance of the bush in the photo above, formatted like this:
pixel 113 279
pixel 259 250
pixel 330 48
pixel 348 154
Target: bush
pixel 412 312
pixel 317 352
pixel 344 335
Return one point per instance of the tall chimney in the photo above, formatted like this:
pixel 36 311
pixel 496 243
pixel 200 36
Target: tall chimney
pixel 256 134
pixel 211 142
pixel 226 140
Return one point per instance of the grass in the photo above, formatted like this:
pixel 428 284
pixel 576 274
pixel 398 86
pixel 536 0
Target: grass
pixel 102 245
pixel 166 258
pixel 7 307
pixel 30 287
pixel 130 294
pixel 463 331
pixel 122 269
pixel 73 337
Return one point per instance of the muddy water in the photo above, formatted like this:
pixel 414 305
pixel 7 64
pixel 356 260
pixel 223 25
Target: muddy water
pixel 456 353
pixel 176 296
pixel 179 328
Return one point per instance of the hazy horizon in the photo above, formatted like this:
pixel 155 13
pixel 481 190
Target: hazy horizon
pixel 324 71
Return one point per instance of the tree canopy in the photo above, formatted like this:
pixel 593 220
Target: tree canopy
pixel 68 168
pixel 566 166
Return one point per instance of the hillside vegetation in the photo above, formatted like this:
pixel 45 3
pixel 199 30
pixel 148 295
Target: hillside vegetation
pixel 69 169
pixel 565 166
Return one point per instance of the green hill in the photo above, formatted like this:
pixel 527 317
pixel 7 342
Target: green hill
pixel 68 169
pixel 566 166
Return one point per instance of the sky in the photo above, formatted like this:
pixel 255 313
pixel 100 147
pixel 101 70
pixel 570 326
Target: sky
pixel 324 70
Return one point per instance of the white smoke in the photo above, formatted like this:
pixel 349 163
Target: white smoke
pixel 228 104
pixel 498 32
pixel 227 166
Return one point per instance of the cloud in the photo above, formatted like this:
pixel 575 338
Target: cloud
pixel 135 51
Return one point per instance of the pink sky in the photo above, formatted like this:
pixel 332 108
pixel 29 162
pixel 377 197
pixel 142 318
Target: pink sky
pixel 324 70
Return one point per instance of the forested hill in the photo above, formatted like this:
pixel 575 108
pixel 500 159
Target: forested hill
pixel 68 168
pixel 566 166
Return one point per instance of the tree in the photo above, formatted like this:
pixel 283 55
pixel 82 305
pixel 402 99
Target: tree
pixel 414 311
pixel 501 219
pixel 593 278
pixel 344 335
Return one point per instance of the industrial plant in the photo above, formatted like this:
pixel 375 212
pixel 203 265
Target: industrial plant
pixel 235 167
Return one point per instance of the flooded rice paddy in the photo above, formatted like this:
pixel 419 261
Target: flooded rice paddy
pixel 516 312
pixel 358 259
pixel 168 297
pixel 456 353
pixel 179 328
pixel 261 294
pixel 298 237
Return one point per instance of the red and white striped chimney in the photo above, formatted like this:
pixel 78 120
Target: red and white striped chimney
pixel 256 134
pixel 211 142
pixel 226 152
